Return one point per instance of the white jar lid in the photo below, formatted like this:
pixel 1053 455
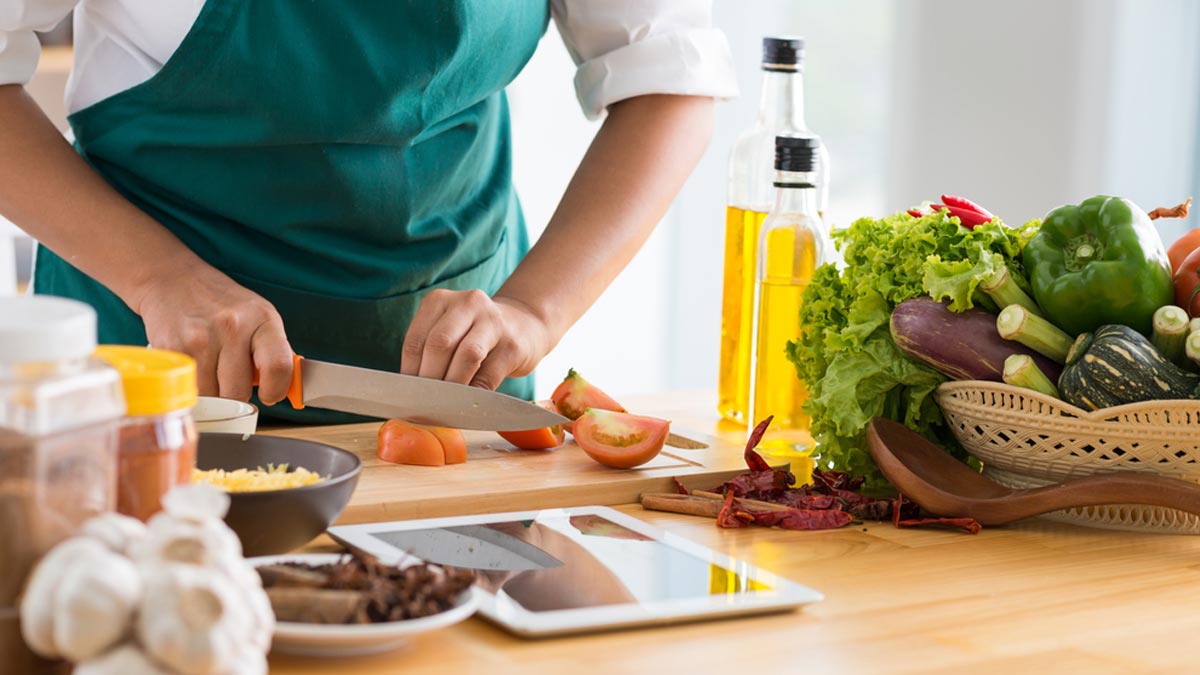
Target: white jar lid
pixel 44 328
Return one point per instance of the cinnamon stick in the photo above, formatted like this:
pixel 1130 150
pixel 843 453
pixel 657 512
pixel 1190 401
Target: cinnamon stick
pixel 1180 211
pixel 752 504
pixel 684 504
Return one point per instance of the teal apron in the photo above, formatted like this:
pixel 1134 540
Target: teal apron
pixel 338 158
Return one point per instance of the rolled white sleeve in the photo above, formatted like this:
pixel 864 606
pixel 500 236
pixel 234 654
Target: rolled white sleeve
pixel 627 48
pixel 19 47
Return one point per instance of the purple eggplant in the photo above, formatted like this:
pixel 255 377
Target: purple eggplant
pixel 959 345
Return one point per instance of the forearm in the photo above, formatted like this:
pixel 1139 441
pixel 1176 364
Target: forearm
pixel 50 192
pixel 637 163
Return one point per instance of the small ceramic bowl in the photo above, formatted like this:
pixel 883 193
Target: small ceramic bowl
pixel 278 521
pixel 225 416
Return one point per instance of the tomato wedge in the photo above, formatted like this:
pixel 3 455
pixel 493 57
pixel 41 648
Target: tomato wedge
pixel 620 440
pixel 402 442
pixel 545 438
pixel 575 396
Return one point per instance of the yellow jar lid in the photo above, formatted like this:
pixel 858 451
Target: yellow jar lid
pixel 156 381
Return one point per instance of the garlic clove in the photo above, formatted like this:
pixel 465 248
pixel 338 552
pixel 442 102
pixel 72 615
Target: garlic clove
pixel 94 604
pixel 38 604
pixel 196 502
pixel 206 543
pixel 115 531
pixel 194 620
pixel 126 659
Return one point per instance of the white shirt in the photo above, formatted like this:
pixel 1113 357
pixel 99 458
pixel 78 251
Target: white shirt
pixel 623 48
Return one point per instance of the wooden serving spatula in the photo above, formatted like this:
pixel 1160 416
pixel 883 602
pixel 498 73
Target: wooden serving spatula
pixel 929 476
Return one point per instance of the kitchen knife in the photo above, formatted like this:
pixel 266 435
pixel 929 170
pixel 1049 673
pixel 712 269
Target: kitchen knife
pixel 476 547
pixel 376 393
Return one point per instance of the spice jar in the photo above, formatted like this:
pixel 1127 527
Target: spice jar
pixel 157 448
pixel 58 438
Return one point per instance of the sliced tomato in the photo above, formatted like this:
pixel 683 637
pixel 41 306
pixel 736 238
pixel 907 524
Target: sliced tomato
pixel 620 440
pixel 545 438
pixel 401 442
pixel 575 396
pixel 454 446
pixel 1190 241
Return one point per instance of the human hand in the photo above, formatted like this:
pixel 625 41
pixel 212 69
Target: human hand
pixel 229 330
pixel 470 338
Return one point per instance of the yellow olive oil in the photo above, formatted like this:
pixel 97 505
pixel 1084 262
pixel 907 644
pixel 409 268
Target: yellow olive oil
pixel 737 307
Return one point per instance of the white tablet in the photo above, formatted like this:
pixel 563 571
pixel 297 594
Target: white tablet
pixel 581 569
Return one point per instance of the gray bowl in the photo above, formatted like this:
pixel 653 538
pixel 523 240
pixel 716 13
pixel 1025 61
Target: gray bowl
pixel 278 521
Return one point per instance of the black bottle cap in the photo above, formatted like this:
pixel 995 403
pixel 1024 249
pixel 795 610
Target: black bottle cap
pixel 783 53
pixel 796 153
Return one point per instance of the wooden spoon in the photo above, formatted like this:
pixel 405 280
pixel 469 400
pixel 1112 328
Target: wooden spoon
pixel 925 473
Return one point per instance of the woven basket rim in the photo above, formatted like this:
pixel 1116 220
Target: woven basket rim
pixel 1103 415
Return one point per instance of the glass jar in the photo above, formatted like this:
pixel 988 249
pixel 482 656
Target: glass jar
pixel 157 448
pixel 58 438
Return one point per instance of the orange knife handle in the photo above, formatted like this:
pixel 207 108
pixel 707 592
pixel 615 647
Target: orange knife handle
pixel 295 392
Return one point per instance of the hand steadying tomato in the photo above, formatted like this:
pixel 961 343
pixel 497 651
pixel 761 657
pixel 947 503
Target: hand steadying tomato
pixel 620 440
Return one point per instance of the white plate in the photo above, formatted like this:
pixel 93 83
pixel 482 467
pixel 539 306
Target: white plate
pixel 311 639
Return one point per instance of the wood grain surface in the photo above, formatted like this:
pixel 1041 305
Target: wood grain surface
pixel 1035 597
pixel 499 477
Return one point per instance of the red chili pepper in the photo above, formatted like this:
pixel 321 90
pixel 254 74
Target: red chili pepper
pixel 964 203
pixel 916 214
pixel 753 459
pixel 967 217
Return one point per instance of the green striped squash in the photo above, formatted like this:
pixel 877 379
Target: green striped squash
pixel 1117 365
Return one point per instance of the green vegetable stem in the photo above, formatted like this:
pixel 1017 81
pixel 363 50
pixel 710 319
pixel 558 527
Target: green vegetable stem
pixel 1005 291
pixel 1170 331
pixel 1192 347
pixel 1018 323
pixel 1021 371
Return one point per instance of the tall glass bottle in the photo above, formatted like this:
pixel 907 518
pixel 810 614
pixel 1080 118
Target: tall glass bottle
pixel 780 113
pixel 791 245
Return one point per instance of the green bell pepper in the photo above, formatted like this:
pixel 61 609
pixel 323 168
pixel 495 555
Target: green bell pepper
pixel 1101 262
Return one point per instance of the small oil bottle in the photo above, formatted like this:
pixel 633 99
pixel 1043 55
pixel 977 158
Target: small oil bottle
pixel 791 246
pixel 780 113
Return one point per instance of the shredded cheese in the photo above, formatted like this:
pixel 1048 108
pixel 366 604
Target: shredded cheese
pixel 274 477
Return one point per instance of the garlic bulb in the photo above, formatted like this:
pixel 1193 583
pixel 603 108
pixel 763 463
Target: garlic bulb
pixel 115 531
pixel 124 660
pixel 80 600
pixel 194 620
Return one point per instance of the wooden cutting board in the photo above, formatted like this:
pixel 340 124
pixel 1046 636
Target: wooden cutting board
pixel 498 477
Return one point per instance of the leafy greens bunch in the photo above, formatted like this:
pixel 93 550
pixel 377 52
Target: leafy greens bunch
pixel 845 353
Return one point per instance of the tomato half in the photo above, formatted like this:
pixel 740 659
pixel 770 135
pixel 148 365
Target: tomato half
pixel 403 443
pixel 575 395
pixel 619 439
pixel 1187 280
pixel 454 446
pixel 545 438
pixel 1190 241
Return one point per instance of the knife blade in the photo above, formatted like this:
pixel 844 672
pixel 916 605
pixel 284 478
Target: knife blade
pixel 476 547
pixel 377 393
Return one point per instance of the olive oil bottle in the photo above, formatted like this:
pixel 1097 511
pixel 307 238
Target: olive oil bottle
pixel 792 244
pixel 780 113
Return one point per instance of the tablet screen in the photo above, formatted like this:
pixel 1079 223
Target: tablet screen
pixel 560 561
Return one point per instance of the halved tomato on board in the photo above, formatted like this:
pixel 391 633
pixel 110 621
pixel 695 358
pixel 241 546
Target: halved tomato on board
pixel 619 439
pixel 575 396
pixel 402 442
pixel 545 438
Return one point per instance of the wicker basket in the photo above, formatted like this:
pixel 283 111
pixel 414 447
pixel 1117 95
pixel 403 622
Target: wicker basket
pixel 1026 439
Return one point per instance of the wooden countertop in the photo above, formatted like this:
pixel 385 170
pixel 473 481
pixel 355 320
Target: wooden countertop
pixel 1036 597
